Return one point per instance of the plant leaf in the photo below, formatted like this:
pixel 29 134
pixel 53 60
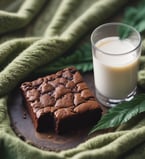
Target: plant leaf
pixel 134 16
pixel 121 113
pixel 81 59
pixel 141 26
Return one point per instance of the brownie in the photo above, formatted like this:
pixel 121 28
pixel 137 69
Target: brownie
pixel 61 102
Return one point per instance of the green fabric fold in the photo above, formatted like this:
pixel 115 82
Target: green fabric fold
pixel 12 21
pixel 19 57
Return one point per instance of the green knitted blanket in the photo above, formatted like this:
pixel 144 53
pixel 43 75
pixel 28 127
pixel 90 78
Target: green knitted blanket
pixel 35 32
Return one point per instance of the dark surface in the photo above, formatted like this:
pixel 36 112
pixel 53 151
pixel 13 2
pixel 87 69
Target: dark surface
pixel 24 128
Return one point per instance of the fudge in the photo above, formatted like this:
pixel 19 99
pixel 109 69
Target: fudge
pixel 61 102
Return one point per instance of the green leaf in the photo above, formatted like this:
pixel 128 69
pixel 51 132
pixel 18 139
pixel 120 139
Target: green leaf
pixel 134 16
pixel 121 113
pixel 141 26
pixel 81 59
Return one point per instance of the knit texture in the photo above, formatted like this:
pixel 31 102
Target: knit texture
pixel 36 32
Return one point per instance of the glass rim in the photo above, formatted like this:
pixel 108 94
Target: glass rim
pixel 117 24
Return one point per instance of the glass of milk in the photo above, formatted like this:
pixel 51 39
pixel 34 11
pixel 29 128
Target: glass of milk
pixel 115 62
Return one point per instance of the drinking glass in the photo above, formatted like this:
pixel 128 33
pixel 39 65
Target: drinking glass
pixel 116 48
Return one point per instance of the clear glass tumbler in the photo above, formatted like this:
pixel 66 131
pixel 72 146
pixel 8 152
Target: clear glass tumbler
pixel 116 48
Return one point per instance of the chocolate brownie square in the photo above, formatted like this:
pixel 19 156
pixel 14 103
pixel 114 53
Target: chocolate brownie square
pixel 61 102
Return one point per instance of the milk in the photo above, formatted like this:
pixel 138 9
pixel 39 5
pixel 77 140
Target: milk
pixel 115 72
